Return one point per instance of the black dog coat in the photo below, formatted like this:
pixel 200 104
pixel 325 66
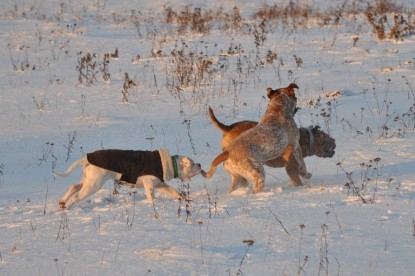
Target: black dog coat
pixel 131 164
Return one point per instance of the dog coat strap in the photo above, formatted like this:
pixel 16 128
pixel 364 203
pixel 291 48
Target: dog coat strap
pixel 310 131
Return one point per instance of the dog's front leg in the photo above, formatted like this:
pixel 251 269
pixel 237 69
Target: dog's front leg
pixel 293 172
pixel 148 182
pixel 167 190
pixel 300 161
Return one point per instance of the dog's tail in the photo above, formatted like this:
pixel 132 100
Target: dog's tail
pixel 219 159
pixel 77 163
pixel 216 123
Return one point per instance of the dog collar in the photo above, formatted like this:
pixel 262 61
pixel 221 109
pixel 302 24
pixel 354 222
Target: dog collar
pixel 310 131
pixel 175 170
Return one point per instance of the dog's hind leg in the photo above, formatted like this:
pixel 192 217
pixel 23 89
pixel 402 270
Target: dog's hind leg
pixel 243 183
pixel 94 178
pixel 72 190
pixel 237 182
pixel 87 188
pixel 256 174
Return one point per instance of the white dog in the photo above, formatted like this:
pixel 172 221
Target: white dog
pixel 151 169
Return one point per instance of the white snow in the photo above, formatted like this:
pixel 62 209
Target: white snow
pixel 362 94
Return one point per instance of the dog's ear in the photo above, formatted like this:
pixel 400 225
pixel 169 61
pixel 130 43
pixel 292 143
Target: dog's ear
pixel 292 86
pixel 269 90
pixel 186 162
pixel 314 129
pixel 271 93
pixel 290 89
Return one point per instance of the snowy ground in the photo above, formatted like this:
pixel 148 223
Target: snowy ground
pixel 361 91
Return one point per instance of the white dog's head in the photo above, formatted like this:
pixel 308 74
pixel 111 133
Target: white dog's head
pixel 187 168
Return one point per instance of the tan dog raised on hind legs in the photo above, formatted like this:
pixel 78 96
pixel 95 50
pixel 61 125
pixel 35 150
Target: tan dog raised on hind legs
pixel 275 135
pixel 313 142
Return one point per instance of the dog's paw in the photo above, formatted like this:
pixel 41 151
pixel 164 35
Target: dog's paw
pixel 297 184
pixel 62 205
pixel 181 196
pixel 306 176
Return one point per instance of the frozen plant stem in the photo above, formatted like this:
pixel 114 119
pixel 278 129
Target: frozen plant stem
pixel 280 222
pixel 189 134
pixel 69 147
pixel 116 251
pixel 57 268
pixel 376 169
pixel 248 243
pixel 99 224
pixel 324 261
pixel 63 227
pixel 201 244
pixel 350 184
pixel 301 266
pixel 410 87
pixel 46 197
pixel 83 102
pixel 156 214
pixel 33 228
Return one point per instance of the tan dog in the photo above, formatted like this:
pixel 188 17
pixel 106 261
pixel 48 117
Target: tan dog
pixel 232 131
pixel 275 135
pixel 313 141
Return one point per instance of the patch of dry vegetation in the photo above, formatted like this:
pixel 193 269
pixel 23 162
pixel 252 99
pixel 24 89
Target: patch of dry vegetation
pixel 389 21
